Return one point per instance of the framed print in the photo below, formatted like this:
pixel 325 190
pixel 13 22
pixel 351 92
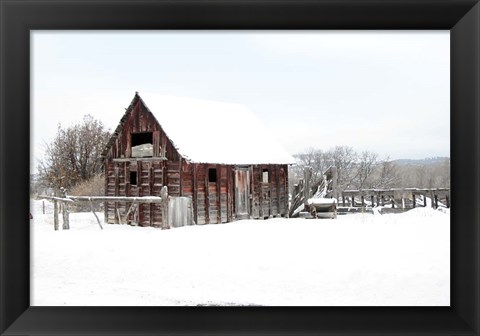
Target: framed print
pixel 25 312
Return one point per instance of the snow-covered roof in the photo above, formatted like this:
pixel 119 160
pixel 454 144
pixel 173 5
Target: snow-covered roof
pixel 215 132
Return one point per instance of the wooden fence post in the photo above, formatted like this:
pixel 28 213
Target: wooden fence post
pixel 165 217
pixel 307 174
pixel 334 183
pixel 55 214
pixel 65 214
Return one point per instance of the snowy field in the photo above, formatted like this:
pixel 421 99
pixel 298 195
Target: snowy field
pixel 354 260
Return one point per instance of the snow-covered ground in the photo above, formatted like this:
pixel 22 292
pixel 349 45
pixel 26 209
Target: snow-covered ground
pixel 354 260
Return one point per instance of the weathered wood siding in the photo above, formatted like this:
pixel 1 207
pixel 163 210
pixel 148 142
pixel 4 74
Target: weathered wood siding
pixel 141 120
pixel 213 201
pixel 152 173
pixel 269 199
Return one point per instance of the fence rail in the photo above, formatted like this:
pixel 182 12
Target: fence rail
pixel 67 199
pixel 382 196
pixel 145 199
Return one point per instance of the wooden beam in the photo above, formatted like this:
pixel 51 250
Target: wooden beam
pixel 229 180
pixel 55 215
pixel 165 215
pixel 93 211
pixel 105 205
pixel 195 193
pixel 219 194
pixel 60 199
pixel 251 199
pixel 277 181
pixel 207 195
pixel 139 159
pixel 144 199
pixel 180 170
pixel 115 169
pixel 284 182
pixel 270 189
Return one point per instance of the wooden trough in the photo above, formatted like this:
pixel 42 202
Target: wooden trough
pixel 322 207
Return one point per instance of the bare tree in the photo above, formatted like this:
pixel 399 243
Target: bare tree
pixel 365 170
pixel 387 176
pixel 366 165
pixel 344 158
pixel 73 155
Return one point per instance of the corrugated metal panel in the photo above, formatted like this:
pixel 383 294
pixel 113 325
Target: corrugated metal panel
pixel 180 211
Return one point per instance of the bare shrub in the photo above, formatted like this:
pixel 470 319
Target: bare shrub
pixel 94 186
pixel 72 157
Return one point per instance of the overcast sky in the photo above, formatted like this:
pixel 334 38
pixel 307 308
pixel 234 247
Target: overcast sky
pixel 386 92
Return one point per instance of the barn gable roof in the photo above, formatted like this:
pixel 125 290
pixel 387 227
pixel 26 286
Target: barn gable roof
pixel 213 132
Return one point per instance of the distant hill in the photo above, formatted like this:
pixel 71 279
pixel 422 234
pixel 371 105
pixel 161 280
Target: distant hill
pixel 421 162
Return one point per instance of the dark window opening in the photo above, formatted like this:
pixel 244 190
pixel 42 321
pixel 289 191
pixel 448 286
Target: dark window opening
pixel 142 144
pixel 133 178
pixel 212 175
pixel 265 175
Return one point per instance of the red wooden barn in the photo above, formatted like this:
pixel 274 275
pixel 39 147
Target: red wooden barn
pixel 217 154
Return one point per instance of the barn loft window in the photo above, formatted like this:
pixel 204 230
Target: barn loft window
pixel 133 178
pixel 265 175
pixel 212 175
pixel 142 144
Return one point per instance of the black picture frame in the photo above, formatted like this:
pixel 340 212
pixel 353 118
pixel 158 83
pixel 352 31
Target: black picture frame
pixel 18 17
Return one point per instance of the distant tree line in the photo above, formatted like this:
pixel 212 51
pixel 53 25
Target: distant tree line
pixel 367 170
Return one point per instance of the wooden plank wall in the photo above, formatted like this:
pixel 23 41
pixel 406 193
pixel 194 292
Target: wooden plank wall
pixel 141 120
pixel 157 184
pixel 269 199
pixel 201 215
pixel 283 189
pixel 149 183
pixel 213 201
pixel 151 174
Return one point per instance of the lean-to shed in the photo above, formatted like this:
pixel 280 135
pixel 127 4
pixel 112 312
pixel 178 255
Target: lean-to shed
pixel 217 154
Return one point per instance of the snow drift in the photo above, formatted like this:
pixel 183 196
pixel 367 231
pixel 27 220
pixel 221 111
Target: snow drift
pixel 354 260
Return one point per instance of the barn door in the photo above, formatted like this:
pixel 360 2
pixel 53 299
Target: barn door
pixel 242 193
